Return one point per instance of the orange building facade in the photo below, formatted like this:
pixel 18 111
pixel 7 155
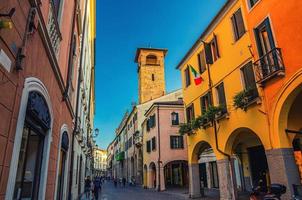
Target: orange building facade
pixel 275 28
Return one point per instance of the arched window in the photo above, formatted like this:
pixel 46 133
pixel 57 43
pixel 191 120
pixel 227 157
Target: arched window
pixel 175 118
pixel 36 125
pixel 151 60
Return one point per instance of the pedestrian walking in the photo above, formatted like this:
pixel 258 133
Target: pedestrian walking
pixel 115 182
pixel 92 188
pixel 87 187
pixel 97 187
pixel 124 181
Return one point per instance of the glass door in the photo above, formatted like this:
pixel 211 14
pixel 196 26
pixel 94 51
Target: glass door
pixel 29 165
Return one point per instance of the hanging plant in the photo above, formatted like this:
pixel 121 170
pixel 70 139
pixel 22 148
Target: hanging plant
pixel 185 128
pixel 242 99
pixel 214 112
pixel 199 122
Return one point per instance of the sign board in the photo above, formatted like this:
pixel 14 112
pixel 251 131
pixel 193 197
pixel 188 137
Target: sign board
pixel 5 61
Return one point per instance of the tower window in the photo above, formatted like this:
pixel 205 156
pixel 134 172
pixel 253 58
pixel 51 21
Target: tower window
pixel 153 77
pixel 151 60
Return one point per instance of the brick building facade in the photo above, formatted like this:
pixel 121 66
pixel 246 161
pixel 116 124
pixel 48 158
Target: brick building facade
pixel 39 63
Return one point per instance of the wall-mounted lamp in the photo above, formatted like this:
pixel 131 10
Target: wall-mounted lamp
pixel 7 23
pixel 9 14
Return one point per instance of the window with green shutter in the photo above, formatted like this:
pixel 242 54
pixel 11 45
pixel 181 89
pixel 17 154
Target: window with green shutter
pixel 176 142
pixel 238 24
pixel 201 61
pixel 153 143
pixel 190 113
pixel 187 76
pixel 221 96
pixel 148 146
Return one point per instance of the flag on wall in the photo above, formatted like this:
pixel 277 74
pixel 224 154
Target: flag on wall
pixel 197 78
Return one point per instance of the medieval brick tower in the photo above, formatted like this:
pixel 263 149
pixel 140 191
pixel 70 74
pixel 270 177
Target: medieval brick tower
pixel 151 73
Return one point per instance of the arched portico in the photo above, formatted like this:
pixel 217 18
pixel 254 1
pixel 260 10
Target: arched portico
pixel 249 162
pixel 145 176
pixel 203 171
pixel 152 179
pixel 286 120
pixel 176 174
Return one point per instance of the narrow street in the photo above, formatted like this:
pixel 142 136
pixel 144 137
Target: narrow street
pixel 109 192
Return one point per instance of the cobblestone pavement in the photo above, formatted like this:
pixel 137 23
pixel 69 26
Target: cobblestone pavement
pixel 109 192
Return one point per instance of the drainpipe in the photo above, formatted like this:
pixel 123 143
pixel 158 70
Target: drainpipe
pixel 77 100
pixel 216 131
pixel 159 158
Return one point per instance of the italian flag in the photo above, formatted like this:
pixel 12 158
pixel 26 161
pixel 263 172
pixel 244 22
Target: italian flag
pixel 197 78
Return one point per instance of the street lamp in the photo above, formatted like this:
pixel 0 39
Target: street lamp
pixel 95 133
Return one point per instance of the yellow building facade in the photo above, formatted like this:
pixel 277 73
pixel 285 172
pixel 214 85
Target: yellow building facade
pixel 231 147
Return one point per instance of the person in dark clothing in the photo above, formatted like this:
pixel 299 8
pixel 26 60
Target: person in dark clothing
pixel 87 187
pixel 97 187
pixel 115 182
pixel 124 181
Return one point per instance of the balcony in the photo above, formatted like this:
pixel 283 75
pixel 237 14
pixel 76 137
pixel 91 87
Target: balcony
pixel 53 29
pixel 120 156
pixel 269 66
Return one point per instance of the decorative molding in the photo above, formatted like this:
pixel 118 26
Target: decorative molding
pixel 31 84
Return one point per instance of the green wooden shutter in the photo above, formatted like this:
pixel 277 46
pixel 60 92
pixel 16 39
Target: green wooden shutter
pixel 240 23
pixel 208 53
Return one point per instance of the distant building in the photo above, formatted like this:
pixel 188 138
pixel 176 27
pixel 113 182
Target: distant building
pixel 99 162
pixel 125 158
pixel 165 150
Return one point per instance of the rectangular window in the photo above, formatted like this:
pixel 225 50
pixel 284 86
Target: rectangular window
pixel 221 96
pixel 249 80
pixel 205 102
pixel 252 3
pixel 56 4
pixel 130 142
pixel 187 76
pixel 148 145
pixel 176 142
pixel 148 125
pixel 153 144
pixel 175 118
pixel 238 24
pixel 152 122
pixel 264 38
pixel 190 113
pixel 214 48
pixel 201 61
pixel 126 145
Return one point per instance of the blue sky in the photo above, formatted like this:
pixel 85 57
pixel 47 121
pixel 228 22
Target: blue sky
pixel 124 25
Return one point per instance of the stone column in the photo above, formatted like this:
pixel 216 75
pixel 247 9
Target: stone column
pixel 194 185
pixel 283 169
pixel 226 186
pixel 160 179
pixel 209 175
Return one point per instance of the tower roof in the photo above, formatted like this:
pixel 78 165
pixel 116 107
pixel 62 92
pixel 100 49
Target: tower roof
pixel 138 50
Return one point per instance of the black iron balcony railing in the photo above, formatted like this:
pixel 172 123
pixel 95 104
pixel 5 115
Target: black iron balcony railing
pixel 269 65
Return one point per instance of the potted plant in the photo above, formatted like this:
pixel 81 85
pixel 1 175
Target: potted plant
pixel 213 112
pixel 242 99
